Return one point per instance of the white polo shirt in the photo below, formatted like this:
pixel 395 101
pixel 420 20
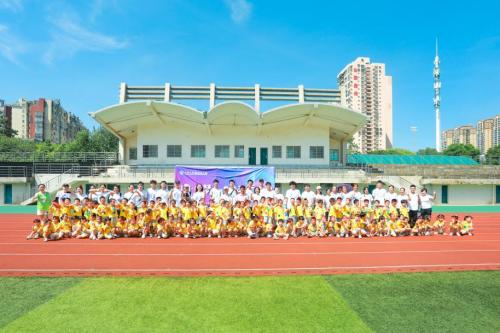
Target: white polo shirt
pixel 426 201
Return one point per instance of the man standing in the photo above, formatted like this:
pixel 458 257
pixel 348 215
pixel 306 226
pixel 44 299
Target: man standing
pixel 215 192
pixel 413 203
pixel 152 190
pixel 379 192
pixel 292 193
pixel 162 192
pixel 354 193
pixel 309 195
pixel 176 193
pixel 231 190
pixel 268 191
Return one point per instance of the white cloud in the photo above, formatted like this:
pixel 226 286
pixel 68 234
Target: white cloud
pixel 69 37
pixel 240 10
pixel 12 5
pixel 11 47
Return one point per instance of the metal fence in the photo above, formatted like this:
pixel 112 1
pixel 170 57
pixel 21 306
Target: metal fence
pixel 73 157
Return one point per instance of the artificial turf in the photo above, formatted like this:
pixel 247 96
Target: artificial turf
pixel 424 302
pixel 411 302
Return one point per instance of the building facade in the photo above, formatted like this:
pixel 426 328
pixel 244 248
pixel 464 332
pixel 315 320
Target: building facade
pixel 44 120
pixel 364 87
pixel 6 113
pixel 154 130
pixel 484 136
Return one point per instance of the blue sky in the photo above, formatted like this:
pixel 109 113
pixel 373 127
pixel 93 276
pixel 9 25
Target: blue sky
pixel 79 51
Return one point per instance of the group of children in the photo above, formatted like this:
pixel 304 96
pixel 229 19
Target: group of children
pixel 264 218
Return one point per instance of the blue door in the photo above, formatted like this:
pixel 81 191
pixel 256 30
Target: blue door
pixel 7 193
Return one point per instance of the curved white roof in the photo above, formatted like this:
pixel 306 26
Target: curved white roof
pixel 122 119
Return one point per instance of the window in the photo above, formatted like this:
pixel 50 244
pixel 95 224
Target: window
pixel 276 151
pixel 198 151
pixel 149 151
pixel 132 153
pixel 316 152
pixel 239 151
pixel 174 151
pixel 292 151
pixel 222 151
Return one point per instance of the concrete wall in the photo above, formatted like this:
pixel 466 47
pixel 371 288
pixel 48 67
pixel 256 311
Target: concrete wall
pixel 293 135
pixel 20 192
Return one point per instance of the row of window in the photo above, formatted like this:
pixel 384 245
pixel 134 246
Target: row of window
pixel 223 151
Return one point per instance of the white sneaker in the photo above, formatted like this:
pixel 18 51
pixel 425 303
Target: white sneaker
pixel 143 236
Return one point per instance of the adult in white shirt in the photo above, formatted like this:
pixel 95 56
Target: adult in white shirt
pixel 176 193
pixel 426 201
pixel 354 193
pixel 79 194
pixel 64 193
pixel 225 195
pixel 319 195
pixel 115 194
pixel 255 195
pixel 131 195
pixel 366 196
pixel 231 189
pixel 242 195
pixel 309 195
pixel 142 195
pixel 199 193
pixel 277 195
pixel 379 192
pixel 334 193
pixel 292 193
pixel 343 193
pixel 152 190
pixel 268 191
pixel 402 196
pixel 163 192
pixel 215 192
pixel 391 194
pixel 413 204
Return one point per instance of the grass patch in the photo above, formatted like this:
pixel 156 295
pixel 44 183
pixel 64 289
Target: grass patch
pixel 424 302
pixel 20 295
pixel 253 304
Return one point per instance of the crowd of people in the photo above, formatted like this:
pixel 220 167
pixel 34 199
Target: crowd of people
pixel 251 210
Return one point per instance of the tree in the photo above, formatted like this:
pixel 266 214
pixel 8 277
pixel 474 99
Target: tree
pixel 459 149
pixel 392 151
pixel 4 128
pixel 16 145
pixel 428 151
pixel 103 140
pixel 493 155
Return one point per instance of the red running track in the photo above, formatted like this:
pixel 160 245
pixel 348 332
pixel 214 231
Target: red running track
pixel 242 256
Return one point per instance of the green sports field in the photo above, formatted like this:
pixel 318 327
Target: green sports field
pixel 416 302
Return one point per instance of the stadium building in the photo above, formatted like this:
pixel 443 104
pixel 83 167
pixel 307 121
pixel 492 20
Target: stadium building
pixel 154 130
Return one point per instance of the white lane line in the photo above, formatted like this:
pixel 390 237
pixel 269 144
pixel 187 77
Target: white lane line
pixel 277 269
pixel 218 242
pixel 234 254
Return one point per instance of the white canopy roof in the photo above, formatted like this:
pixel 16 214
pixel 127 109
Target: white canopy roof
pixel 122 119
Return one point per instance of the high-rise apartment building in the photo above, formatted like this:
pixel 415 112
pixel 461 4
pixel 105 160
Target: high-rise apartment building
pixel 364 87
pixel 44 120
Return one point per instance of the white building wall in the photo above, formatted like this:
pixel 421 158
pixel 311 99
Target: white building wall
pixel 471 194
pixel 175 134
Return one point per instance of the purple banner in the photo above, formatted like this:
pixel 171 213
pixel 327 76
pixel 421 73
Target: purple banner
pixel 205 176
